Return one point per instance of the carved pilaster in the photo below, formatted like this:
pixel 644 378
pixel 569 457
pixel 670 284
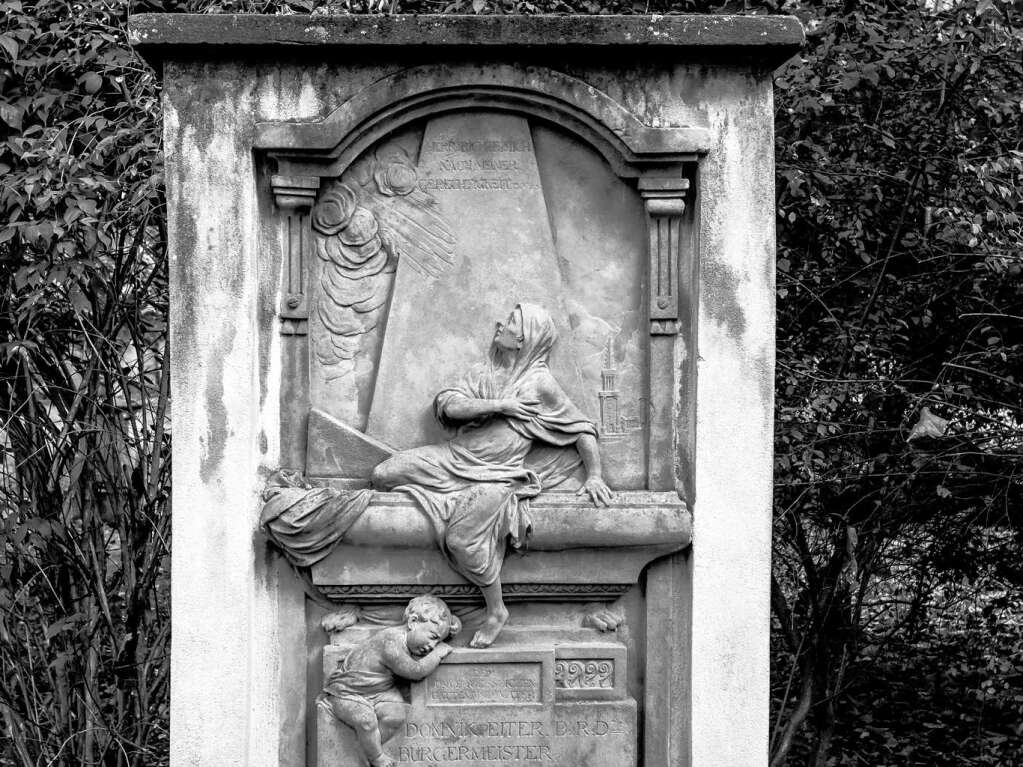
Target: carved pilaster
pixel 665 204
pixel 294 196
pixel 664 197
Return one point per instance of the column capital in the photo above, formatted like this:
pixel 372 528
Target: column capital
pixel 294 192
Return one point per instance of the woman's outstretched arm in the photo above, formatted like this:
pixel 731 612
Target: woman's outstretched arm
pixel 594 486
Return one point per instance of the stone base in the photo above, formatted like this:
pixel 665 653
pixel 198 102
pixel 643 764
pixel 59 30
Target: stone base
pixel 590 734
pixel 528 706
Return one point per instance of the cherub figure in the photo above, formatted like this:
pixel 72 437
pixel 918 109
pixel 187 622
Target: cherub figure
pixel 362 691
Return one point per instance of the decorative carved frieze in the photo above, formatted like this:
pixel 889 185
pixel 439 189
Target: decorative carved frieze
pixel 589 674
pixel 560 592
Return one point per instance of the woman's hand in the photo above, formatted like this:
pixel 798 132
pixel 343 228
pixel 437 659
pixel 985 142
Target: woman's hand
pixel 523 409
pixel 598 491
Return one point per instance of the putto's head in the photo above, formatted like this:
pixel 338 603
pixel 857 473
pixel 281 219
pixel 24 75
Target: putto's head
pixel 429 621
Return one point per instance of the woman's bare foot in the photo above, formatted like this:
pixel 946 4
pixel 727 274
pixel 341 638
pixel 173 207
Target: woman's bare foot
pixel 491 627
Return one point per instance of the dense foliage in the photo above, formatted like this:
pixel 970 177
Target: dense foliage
pixel 83 393
pixel 899 500
pixel 897 593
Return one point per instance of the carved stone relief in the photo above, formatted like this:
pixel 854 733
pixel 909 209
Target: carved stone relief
pixel 468 212
pixel 472 437
pixel 362 689
pixel 374 217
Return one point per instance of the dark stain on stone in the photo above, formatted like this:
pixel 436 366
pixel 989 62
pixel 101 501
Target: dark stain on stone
pixel 720 297
pixel 183 240
pixel 270 258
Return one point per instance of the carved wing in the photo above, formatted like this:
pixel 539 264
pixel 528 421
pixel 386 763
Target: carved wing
pixel 363 224
pixel 418 232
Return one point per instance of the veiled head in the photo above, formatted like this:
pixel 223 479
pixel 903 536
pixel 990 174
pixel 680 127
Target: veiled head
pixel 539 332
pixel 528 334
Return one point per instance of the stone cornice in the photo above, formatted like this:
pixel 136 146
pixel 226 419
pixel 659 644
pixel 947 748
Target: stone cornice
pixel 761 41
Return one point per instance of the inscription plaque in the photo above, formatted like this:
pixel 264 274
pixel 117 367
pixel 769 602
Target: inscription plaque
pixel 498 707
pixel 503 707
pixel 568 735
pixel 472 683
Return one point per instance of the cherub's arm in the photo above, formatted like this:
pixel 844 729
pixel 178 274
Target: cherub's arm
pixel 400 661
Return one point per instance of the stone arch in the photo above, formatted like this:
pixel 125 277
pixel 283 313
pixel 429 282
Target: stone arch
pixel 659 161
pixel 327 146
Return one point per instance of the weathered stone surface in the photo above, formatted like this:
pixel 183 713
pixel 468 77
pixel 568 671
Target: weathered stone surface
pixel 335 449
pixel 754 39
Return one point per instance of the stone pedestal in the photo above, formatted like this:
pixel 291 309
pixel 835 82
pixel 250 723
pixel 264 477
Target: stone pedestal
pixel 352 202
pixel 522 705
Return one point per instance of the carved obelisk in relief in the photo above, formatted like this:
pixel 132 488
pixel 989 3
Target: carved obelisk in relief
pixel 482 170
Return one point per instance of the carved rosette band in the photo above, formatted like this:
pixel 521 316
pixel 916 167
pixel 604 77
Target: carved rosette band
pixel 561 592
pixel 294 197
pixel 665 203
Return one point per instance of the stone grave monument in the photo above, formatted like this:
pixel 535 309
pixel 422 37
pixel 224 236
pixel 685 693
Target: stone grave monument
pixel 472 336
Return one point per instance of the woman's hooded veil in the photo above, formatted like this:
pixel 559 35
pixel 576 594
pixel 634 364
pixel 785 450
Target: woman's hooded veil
pixel 539 334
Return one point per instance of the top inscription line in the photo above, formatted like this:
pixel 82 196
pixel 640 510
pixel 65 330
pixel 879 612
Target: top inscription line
pixel 454 145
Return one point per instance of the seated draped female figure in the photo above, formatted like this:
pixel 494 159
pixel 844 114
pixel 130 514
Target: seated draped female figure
pixel 517 433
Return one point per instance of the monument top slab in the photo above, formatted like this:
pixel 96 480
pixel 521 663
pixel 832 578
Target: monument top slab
pixel 758 40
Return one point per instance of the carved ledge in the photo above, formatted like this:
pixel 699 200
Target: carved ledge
pixel 576 553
